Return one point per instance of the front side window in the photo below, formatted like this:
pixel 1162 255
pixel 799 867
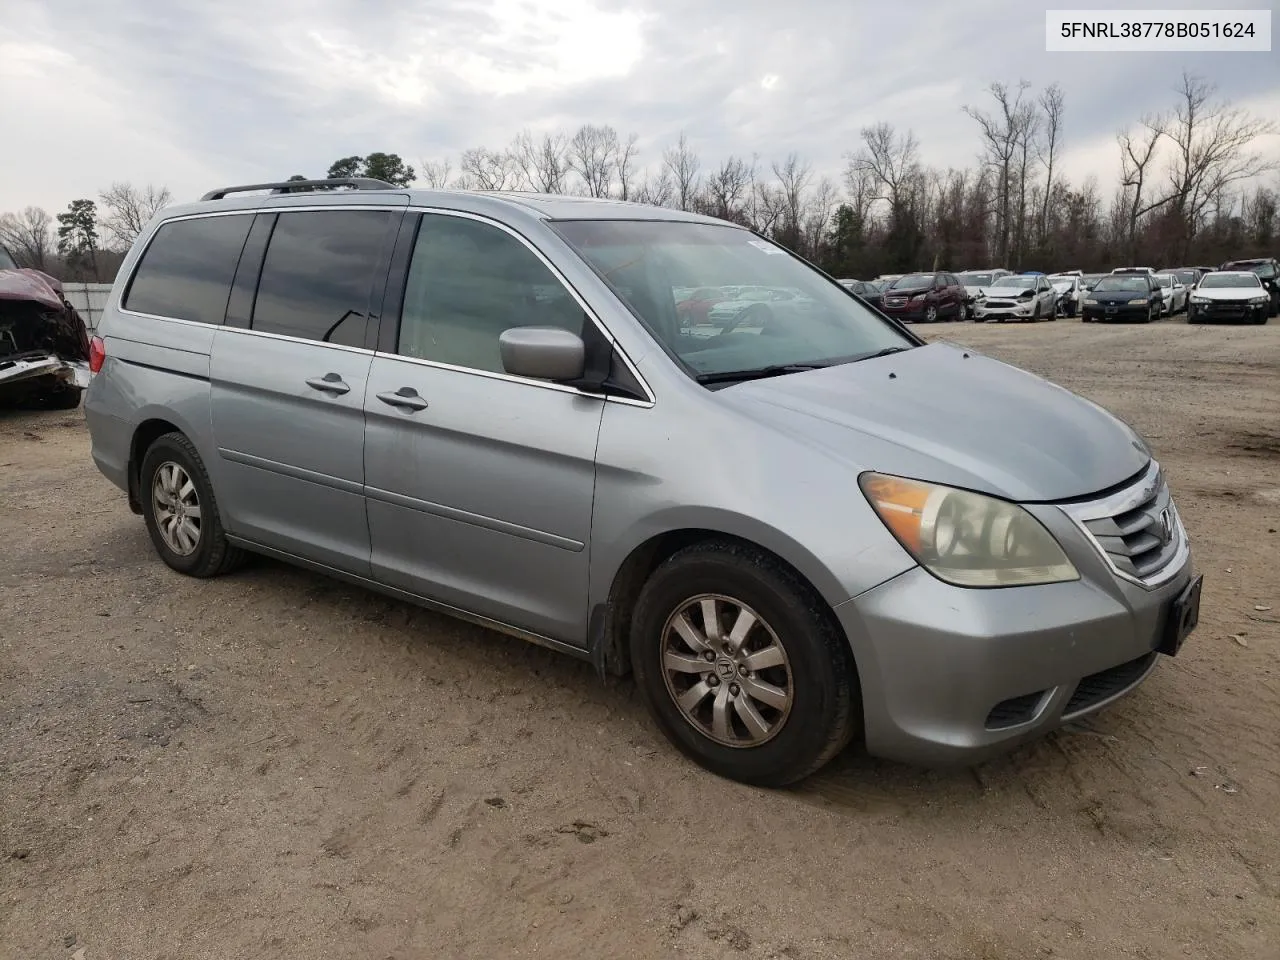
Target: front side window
pixel 6 261
pixel 318 274
pixel 188 267
pixel 807 320
pixel 468 282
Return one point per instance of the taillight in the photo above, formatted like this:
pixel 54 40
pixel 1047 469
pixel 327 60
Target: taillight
pixel 97 354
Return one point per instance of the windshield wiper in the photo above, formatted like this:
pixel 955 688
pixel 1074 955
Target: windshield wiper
pixel 758 373
pixel 880 353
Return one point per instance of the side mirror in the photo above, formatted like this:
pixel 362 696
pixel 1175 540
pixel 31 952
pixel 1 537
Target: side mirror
pixel 542 353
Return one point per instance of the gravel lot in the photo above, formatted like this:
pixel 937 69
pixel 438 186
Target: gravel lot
pixel 276 765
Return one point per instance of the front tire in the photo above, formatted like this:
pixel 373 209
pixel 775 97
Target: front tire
pixel 742 666
pixel 930 314
pixel 181 513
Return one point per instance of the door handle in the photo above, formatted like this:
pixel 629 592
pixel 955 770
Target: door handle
pixel 406 398
pixel 329 383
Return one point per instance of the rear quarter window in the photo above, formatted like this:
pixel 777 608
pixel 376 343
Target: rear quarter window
pixel 187 269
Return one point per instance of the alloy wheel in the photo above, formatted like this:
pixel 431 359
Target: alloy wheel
pixel 727 671
pixel 177 508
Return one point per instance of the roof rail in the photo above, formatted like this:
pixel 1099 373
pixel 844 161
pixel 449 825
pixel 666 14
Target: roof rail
pixel 300 186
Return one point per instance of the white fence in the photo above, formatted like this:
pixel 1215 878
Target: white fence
pixel 89 299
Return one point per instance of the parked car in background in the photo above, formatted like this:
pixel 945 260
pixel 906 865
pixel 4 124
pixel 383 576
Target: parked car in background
pixel 926 297
pixel 1268 271
pixel 862 288
pixel 1070 292
pixel 693 308
pixel 1088 280
pixel 1235 295
pixel 44 344
pixel 975 282
pixel 1174 293
pixel 1147 270
pixel 1018 297
pixel 1133 296
pixel 1187 276
pixel 484 404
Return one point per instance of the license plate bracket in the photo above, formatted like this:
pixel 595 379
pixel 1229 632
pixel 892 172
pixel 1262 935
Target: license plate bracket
pixel 1181 617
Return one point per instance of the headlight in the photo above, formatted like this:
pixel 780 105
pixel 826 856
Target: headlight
pixel 964 538
pixel 1138 303
pixel 1090 302
pixel 1200 300
pixel 1260 300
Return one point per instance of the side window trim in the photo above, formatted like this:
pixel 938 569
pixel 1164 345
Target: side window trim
pixel 123 297
pixel 377 278
pixel 393 306
pixel 244 287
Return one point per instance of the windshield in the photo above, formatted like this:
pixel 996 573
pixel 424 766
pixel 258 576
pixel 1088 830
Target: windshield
pixel 6 261
pixel 1230 280
pixel 1122 283
pixel 912 280
pixel 1018 283
pixel 1266 270
pixel 1165 281
pixel 976 279
pixel 806 320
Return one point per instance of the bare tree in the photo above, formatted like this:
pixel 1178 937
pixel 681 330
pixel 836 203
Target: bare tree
pixel 624 165
pixel 819 206
pixel 657 191
pixel 1137 151
pixel 793 176
pixel 1004 135
pixel 1053 104
pixel 888 164
pixel 683 165
pixel 729 188
pixel 592 153
pixel 486 169
pixel 543 163
pixel 1211 153
pixel 126 209
pixel 435 173
pixel 28 236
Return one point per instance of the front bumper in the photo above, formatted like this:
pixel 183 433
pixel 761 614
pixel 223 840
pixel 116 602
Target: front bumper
pixel 911 312
pixel 982 312
pixel 953 676
pixel 1117 312
pixel 1228 312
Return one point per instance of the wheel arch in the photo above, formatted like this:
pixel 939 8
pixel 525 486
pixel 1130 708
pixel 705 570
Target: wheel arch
pixel 610 620
pixel 149 429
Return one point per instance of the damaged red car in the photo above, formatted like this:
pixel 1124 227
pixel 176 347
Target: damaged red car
pixel 44 345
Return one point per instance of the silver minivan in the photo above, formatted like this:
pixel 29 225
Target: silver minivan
pixel 791 519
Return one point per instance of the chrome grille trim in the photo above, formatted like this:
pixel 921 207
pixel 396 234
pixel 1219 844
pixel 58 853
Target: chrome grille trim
pixel 1126 528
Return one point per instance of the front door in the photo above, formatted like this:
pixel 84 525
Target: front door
pixel 480 484
pixel 288 386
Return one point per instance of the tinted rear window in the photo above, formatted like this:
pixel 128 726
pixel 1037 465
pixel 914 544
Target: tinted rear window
pixel 318 274
pixel 187 269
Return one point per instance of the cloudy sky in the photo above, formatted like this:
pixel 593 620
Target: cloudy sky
pixel 195 94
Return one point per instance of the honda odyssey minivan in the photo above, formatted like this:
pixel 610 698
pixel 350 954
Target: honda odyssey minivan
pixel 795 527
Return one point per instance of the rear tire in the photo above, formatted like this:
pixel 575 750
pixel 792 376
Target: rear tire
pixel 768 712
pixel 180 510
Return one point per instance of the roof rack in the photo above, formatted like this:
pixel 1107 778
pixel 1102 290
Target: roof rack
pixel 300 186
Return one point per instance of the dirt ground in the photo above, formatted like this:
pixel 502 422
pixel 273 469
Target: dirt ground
pixel 276 765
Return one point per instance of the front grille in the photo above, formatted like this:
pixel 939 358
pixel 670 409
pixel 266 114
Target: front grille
pixel 1000 304
pixel 1015 710
pixel 1138 529
pixel 1105 684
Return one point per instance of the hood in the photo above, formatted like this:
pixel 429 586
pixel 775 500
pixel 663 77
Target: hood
pixel 951 416
pixel 1006 293
pixel 906 291
pixel 1061 285
pixel 31 285
pixel 1230 293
